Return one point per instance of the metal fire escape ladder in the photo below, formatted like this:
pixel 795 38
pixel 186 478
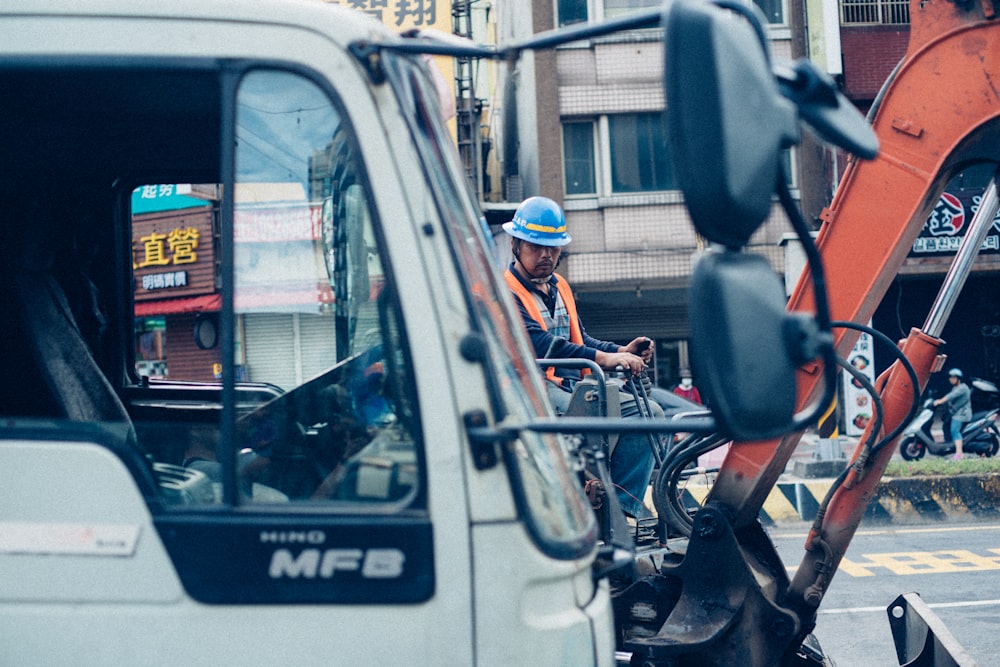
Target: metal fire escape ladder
pixel 466 105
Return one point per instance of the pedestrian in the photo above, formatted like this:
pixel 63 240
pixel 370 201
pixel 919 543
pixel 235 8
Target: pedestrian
pixel 959 406
pixel 686 388
pixel 548 309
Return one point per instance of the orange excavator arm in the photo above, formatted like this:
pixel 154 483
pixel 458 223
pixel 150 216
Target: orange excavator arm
pixel 939 112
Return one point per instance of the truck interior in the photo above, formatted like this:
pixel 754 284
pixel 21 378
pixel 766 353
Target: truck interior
pixel 73 142
pixel 77 141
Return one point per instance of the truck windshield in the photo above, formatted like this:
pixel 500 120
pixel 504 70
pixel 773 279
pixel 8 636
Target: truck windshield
pixel 549 497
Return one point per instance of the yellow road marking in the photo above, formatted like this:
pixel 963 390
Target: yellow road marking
pixel 905 563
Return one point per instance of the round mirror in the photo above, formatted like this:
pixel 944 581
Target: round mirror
pixel 206 331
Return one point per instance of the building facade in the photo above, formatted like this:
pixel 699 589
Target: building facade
pixel 591 135
pixel 284 330
pixel 874 35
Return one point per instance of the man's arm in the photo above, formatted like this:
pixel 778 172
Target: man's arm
pixel 641 347
pixel 950 396
pixel 606 354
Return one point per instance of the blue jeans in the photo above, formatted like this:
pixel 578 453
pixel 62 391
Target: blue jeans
pixel 632 460
pixel 956 429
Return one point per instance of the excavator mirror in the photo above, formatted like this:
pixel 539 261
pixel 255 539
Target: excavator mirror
pixel 726 117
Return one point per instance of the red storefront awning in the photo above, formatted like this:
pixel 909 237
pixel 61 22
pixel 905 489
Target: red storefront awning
pixel 191 304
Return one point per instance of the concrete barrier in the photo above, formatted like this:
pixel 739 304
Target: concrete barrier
pixel 909 499
pixel 896 500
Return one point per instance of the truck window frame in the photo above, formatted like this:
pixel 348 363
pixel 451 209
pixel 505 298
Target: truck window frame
pixel 548 496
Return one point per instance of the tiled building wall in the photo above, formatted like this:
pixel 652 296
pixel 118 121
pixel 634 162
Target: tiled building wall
pixel 617 98
pixel 639 237
pixel 622 245
pixel 870 55
pixel 611 77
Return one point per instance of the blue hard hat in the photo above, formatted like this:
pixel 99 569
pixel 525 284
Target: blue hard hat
pixel 957 372
pixel 539 220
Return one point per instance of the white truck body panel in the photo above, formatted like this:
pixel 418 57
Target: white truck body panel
pixel 117 598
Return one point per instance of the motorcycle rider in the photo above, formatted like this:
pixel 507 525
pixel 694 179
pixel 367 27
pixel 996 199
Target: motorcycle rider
pixel 548 309
pixel 958 400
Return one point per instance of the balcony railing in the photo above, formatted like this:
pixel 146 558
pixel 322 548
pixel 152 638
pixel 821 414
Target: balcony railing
pixel 874 12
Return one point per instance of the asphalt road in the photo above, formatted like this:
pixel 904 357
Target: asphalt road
pixel 954 567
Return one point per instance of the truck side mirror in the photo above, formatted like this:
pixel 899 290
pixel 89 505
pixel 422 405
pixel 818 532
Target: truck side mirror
pixel 727 119
pixel 744 346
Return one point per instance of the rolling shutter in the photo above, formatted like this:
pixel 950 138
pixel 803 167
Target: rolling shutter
pixel 288 349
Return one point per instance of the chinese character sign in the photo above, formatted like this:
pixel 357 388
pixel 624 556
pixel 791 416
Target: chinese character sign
pixel 183 244
pixel 173 253
pixel 178 246
pixel 403 15
pixel 949 221
pixel 153 281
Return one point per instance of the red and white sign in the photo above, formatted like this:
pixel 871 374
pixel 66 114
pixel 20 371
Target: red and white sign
pixel 267 224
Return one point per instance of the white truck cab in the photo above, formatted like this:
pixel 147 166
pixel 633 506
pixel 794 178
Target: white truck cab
pixel 249 316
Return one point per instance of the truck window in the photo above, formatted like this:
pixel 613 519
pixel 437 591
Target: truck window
pixel 324 401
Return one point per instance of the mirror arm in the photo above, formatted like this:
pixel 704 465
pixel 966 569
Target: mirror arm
pixel 437 43
pixel 825 109
pixel 420 44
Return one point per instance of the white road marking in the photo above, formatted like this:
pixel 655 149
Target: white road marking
pixel 933 605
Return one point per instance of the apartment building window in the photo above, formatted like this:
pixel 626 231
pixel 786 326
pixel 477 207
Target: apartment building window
pixel 619 7
pixel 617 154
pixel 790 163
pixel 774 10
pixel 578 157
pixel 640 159
pixel 579 11
pixel 627 153
pixel 874 12
pixel 572 11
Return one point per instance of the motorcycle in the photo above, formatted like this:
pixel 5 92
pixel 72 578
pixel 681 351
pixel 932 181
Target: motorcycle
pixel 980 437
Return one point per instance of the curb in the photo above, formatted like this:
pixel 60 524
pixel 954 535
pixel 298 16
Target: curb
pixel 936 498
pixel 896 500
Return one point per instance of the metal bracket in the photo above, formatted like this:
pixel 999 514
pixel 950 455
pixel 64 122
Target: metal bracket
pixel 921 638
pixel 483 439
pixel 370 56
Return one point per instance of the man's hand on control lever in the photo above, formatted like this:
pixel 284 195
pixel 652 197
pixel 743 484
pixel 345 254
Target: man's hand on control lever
pixel 631 358
pixel 642 347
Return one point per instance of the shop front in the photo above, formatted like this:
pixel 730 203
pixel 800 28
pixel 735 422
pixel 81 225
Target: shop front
pixel 972 334
pixel 284 300
pixel 174 269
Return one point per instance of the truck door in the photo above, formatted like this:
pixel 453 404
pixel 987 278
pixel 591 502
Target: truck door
pixel 323 487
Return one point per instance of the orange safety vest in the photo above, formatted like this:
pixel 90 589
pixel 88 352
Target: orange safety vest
pixel 531 305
